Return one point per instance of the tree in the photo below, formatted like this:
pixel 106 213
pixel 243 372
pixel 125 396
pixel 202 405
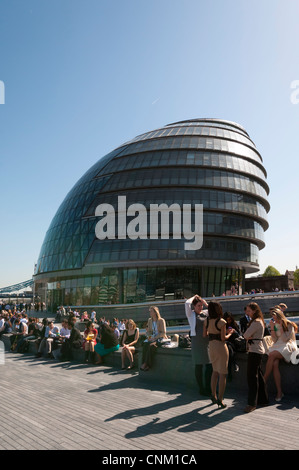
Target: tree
pixel 271 271
pixel 296 279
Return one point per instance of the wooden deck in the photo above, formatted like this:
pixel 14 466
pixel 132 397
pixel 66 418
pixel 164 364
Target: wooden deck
pixel 70 406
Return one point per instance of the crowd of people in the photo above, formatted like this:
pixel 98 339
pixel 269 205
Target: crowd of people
pixel 27 307
pixel 99 338
pixel 58 343
pixel 215 336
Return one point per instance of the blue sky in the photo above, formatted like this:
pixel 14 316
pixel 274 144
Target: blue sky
pixel 83 76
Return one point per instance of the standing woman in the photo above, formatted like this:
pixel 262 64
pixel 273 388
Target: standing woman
pixel 199 344
pixel 257 390
pixel 215 328
pixel 156 329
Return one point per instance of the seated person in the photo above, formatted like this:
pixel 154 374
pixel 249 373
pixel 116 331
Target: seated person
pixel 32 333
pixel 90 335
pixel 20 330
pixel 156 329
pixel 46 343
pixel 114 327
pixel 129 340
pixel 6 325
pixel 107 344
pixel 74 341
pixel 283 332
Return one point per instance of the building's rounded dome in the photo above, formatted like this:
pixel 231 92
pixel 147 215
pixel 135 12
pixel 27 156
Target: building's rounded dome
pixel 202 161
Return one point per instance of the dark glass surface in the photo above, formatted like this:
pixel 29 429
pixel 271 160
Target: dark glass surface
pixel 200 161
pixel 145 284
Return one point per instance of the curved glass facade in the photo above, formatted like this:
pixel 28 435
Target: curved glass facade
pixel 202 161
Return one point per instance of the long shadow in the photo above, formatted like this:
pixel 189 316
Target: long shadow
pixel 186 422
pixel 129 381
pixel 205 416
pixel 179 401
pixel 288 403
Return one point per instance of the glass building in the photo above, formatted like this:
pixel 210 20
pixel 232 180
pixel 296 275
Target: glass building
pixel 202 161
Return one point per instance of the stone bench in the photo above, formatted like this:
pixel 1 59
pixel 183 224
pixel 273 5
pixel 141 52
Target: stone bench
pixel 112 360
pixel 174 366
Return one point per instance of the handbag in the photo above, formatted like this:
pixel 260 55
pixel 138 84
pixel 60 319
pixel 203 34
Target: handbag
pixel 295 357
pixel 184 341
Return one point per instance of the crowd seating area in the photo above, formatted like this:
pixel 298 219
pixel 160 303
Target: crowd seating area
pixel 173 366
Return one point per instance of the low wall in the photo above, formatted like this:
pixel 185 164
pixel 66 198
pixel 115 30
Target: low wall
pixel 174 367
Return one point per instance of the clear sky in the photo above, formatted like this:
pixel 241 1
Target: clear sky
pixel 83 76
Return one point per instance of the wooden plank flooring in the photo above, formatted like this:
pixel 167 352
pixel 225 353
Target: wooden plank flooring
pixel 48 405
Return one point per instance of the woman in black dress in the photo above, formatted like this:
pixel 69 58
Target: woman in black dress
pixel 129 340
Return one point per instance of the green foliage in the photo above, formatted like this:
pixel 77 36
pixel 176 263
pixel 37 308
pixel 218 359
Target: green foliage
pixel 296 277
pixel 271 271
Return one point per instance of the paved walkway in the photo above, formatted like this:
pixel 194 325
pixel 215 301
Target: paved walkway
pixel 53 405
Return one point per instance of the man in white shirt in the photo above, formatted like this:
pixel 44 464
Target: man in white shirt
pixel 21 333
pixel 2 321
pixel 46 343
pixel 64 331
pixel 199 345
pixel 24 318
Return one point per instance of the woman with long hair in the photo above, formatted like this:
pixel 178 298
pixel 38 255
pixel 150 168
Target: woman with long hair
pixel 90 335
pixel 107 344
pixel 231 343
pixel 257 390
pixel 129 339
pixel 156 329
pixel 215 328
pixel 283 335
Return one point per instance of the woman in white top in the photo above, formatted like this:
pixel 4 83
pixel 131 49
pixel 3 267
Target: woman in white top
pixel 283 335
pixel 156 328
pixel 257 390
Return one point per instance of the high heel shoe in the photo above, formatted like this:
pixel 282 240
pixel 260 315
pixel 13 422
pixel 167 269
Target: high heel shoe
pixel 221 404
pixel 214 400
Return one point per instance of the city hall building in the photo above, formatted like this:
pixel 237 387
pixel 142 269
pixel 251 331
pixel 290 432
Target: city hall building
pixel 104 246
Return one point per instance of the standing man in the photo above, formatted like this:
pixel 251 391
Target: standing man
pixel 244 321
pixel 93 316
pixel 199 345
